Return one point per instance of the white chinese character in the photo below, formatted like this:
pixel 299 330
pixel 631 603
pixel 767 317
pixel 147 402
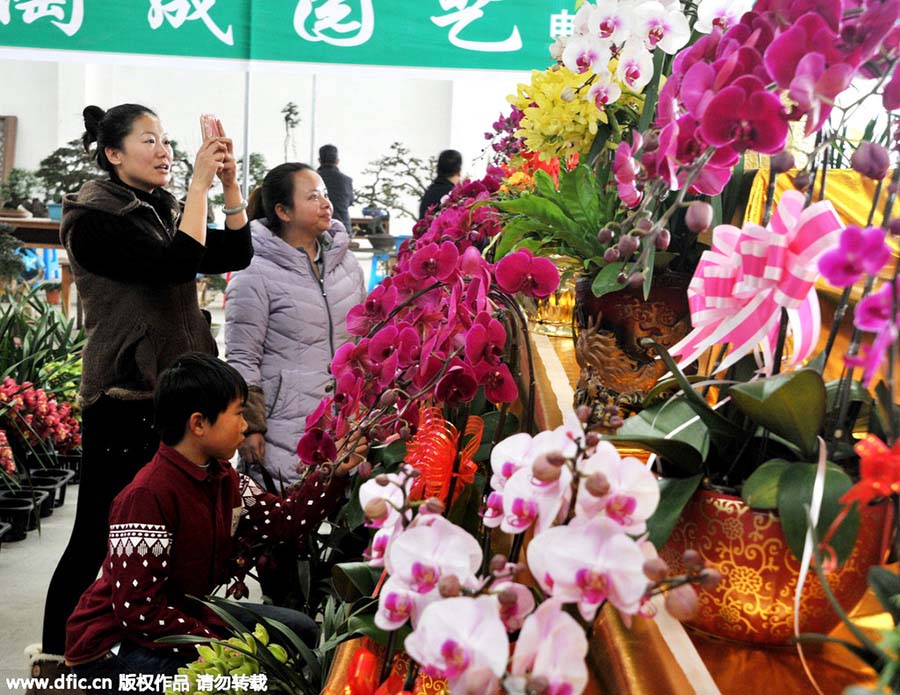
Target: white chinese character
pixel 330 16
pixel 177 12
pixel 258 682
pixel 32 10
pixel 162 683
pixel 181 683
pixel 204 682
pixel 127 682
pixel 145 682
pixel 463 17
pixel 562 25
pixel 222 683
pixel 240 681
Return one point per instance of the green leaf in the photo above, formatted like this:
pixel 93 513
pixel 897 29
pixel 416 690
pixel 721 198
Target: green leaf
pixel 352 580
pixel 648 271
pixel 581 196
pixel 760 490
pixel 543 182
pixel 491 422
pixel 561 230
pixel 464 512
pixel 674 494
pixel 605 281
pixel 719 426
pixel 365 625
pixel 792 405
pixel 886 586
pixel 794 498
pixel 391 454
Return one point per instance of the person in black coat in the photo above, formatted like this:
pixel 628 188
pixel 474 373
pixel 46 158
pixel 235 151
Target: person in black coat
pixel 339 185
pixel 449 166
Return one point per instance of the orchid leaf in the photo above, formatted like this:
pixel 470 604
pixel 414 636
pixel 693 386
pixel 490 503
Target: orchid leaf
pixel 886 586
pixel 580 194
pixel 606 280
pixel 543 182
pixel 760 490
pixel 684 451
pixel 791 405
pixel 515 231
pixel 719 426
pixel 795 497
pixel 674 495
pixel 352 580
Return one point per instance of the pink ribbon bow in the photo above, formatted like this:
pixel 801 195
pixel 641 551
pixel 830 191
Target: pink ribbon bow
pixel 741 284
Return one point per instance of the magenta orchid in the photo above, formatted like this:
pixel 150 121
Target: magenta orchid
pixel 523 272
pixel 861 251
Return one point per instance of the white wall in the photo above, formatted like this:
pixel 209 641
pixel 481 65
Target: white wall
pixel 361 111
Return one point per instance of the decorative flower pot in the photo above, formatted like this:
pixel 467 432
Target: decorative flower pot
pixel 754 602
pixel 19 513
pixel 615 368
pixel 52 296
pixel 42 504
pixel 554 315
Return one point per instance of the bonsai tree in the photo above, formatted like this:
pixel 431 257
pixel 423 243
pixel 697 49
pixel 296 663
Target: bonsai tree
pixel 291 113
pixel 18 189
pixel 397 178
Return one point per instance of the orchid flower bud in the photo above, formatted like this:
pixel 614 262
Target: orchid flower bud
pixel 699 216
pixel 364 470
pixel 782 162
pixel 498 563
pixel 681 602
pixel 894 227
pixel 567 95
pixel 544 471
pixel 802 181
pixel 693 560
pixel 710 578
pixel 583 413
pixel 611 255
pixel 596 484
pixel 628 244
pixel 636 279
pixel 477 681
pixel 871 160
pixel 470 263
pixel 605 235
pixel 656 569
pixel 591 439
pixel 382 480
pixel 448 586
pixel 433 506
pixel 376 509
pixel 663 239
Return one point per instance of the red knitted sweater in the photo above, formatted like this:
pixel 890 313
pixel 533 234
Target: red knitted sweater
pixel 173 533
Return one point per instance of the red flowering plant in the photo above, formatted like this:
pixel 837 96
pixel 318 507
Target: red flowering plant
pixel 33 422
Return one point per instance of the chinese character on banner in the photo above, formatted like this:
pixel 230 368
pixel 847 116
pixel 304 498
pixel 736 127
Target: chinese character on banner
pixel 181 683
pixel 258 682
pixel 32 10
pixel 329 25
pixel 177 12
pixel 462 16
pixel 127 682
pixel 562 25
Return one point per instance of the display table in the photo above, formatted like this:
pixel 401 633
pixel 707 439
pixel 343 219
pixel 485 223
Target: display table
pixel 660 656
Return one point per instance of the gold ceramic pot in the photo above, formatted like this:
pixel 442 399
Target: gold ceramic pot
pixel 754 602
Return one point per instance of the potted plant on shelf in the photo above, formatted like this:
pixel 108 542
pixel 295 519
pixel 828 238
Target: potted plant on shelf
pixel 11 265
pixel 16 193
pixel 51 289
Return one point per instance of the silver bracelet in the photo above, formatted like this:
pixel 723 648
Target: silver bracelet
pixel 236 210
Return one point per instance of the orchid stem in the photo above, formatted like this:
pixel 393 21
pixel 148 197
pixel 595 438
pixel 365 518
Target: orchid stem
pixel 779 345
pixel 388 657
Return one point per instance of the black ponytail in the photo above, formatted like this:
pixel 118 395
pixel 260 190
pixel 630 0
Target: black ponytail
pixel 109 129
pixel 278 187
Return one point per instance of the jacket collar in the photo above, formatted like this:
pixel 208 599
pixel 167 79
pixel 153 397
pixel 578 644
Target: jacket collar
pixel 333 246
pixel 215 469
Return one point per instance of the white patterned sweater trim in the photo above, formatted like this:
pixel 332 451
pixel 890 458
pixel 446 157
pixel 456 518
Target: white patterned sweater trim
pixel 143 539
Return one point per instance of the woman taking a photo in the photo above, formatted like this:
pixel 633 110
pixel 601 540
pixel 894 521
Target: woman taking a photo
pixel 135 254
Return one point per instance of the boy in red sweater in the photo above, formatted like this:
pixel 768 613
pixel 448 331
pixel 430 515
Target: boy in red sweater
pixel 176 530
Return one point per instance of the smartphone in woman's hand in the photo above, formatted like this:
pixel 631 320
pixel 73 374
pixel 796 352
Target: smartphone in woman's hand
pixel 209 126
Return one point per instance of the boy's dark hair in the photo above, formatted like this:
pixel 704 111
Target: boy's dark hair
pixel 195 383
pixel 278 187
pixel 449 163
pixel 109 129
pixel 328 154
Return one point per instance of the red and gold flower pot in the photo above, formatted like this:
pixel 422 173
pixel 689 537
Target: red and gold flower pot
pixel 754 602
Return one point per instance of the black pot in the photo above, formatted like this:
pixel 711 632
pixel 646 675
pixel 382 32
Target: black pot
pixel 382 243
pixel 19 514
pixel 41 500
pixel 73 463
pixel 61 476
pixel 5 527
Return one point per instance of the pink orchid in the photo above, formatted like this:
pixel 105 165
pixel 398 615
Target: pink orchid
pixel 397 603
pixel 458 385
pixel 528 501
pixel 874 354
pixel 860 251
pixel 431 548
pixel 815 87
pixel 492 512
pixel 458 634
pixel 394 493
pixel 635 67
pixel 523 272
pixel 626 170
pixel 498 382
pixel 589 561
pixel 516 603
pixel 486 340
pixel 875 312
pixel 633 491
pixel 433 262
pixel 316 446
pixel 745 116
pixel 661 27
pixel 810 34
pixel 891 97
pixel 552 645
pixel 376 308
pixel 508 456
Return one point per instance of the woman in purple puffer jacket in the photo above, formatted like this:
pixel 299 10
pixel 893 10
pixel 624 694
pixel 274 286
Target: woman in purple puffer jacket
pixel 285 315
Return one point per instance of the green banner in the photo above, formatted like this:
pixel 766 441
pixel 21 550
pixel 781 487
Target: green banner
pixel 480 34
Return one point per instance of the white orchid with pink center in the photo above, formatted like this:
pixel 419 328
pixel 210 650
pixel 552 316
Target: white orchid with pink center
pixel 516 603
pixel 528 501
pixel 459 634
pixel 633 490
pixel 394 494
pixel 552 645
pixel 587 562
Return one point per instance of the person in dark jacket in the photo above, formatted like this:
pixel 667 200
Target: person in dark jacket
pixel 187 523
pixel 449 166
pixel 135 254
pixel 339 185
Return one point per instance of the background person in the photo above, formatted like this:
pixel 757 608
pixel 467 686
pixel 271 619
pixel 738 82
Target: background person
pixel 135 254
pixel 449 166
pixel 339 185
